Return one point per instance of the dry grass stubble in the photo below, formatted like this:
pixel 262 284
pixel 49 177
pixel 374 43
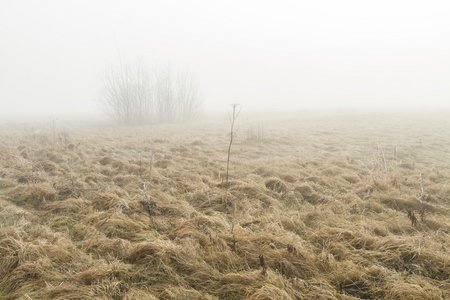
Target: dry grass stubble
pixel 315 210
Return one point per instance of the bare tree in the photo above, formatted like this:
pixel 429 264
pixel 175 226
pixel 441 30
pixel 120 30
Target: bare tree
pixel 134 95
pixel 128 93
pixel 188 96
pixel 177 95
pixel 165 95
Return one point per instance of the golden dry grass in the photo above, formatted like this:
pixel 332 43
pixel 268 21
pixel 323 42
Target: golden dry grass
pixel 324 200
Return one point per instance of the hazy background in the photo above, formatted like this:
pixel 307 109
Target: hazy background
pixel 266 55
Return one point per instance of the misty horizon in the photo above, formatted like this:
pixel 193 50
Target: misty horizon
pixel 284 56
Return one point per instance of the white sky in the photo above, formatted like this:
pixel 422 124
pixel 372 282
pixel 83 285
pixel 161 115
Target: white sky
pixel 262 54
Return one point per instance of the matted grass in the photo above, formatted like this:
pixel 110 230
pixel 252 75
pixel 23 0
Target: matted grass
pixel 143 213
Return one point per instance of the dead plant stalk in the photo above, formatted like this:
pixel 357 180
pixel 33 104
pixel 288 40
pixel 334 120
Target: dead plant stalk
pixel 233 119
pixel 421 197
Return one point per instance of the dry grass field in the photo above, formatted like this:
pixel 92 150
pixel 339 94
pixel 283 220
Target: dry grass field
pixel 317 207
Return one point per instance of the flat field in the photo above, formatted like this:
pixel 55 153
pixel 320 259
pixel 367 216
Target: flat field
pixel 316 207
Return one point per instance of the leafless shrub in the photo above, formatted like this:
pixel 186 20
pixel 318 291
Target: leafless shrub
pixel 145 200
pixel 177 95
pixel 135 94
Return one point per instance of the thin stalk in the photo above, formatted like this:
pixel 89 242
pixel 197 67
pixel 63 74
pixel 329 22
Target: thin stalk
pixel 231 142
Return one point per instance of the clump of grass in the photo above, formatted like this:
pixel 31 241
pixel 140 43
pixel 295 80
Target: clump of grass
pixel 404 290
pixel 37 194
pixel 308 193
pixel 276 185
pixel 71 205
pixel 354 282
pixel 69 291
pixel 106 273
pixel 106 160
pixel 401 204
pixel 149 251
pixel 270 291
pixel 351 178
pixel 20 277
pixel 104 247
pixel 105 201
pixel 48 166
pixel 200 229
pixel 7 183
pixel 238 285
pixel 177 292
pixel 289 178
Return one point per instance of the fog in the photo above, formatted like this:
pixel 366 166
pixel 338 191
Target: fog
pixel 265 55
